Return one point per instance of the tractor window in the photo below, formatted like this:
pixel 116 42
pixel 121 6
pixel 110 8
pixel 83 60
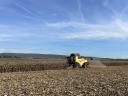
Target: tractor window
pixel 79 57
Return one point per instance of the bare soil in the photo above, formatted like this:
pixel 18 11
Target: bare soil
pixel 114 63
pixel 20 65
pixel 17 64
pixel 110 81
pixel 41 78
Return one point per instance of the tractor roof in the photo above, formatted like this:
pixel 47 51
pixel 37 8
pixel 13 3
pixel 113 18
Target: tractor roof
pixel 75 54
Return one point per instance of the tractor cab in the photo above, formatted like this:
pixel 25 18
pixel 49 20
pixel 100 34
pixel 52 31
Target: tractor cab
pixel 77 61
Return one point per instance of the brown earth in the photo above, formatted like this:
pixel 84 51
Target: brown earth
pixel 106 63
pixel 17 64
pixel 104 80
pixel 114 63
pixel 110 81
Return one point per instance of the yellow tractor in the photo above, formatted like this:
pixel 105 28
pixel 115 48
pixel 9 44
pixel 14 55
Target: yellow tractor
pixel 76 60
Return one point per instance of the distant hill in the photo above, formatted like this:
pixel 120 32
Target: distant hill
pixel 49 56
pixel 30 55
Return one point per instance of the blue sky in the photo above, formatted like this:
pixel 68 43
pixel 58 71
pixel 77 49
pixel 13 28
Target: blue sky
pixel 89 27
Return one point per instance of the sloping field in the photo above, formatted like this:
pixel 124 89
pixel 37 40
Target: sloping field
pixel 18 64
pixel 114 63
pixel 105 63
pixel 74 82
pixel 13 65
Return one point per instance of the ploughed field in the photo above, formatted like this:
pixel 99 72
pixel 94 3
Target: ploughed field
pixel 110 81
pixel 41 77
pixel 26 64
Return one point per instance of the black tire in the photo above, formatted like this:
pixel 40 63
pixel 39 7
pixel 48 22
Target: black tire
pixel 76 65
pixel 87 65
pixel 83 66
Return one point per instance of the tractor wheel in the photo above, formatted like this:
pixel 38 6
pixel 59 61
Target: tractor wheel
pixel 74 65
pixel 77 65
pixel 83 66
pixel 87 65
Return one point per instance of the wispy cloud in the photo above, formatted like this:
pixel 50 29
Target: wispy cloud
pixel 24 10
pixel 115 11
pixel 12 32
pixel 19 5
pixel 18 50
pixel 116 29
pixel 5 37
pixel 80 10
pixel 25 50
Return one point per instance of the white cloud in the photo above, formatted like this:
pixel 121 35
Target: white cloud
pixel 17 50
pixel 59 25
pixel 19 5
pixel 115 29
pixel 80 10
pixel 10 32
pixel 25 50
pixel 5 37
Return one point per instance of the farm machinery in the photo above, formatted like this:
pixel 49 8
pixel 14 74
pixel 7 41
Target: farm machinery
pixel 76 61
